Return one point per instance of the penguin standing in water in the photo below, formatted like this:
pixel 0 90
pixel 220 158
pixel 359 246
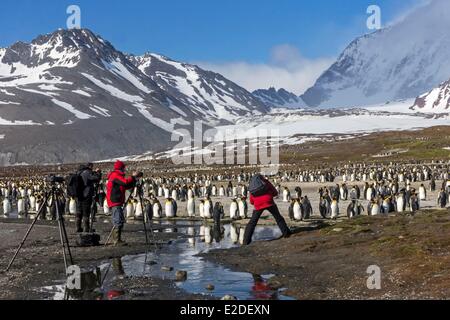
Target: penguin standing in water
pixel 243 207
pixel 171 208
pixel 157 209
pixel 334 209
pixel 286 195
pixel 207 208
pixel 422 193
pixel 191 205
pixel 234 210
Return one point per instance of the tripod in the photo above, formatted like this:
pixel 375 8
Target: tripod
pixel 53 193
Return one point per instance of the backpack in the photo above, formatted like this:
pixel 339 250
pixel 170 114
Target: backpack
pixel 257 186
pixel 75 185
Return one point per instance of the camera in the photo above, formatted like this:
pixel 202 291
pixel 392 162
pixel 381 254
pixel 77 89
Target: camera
pixel 55 179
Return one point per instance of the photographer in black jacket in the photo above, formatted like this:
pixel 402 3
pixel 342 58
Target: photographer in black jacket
pixel 84 204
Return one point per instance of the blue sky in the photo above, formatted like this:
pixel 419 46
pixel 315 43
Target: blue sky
pixel 208 32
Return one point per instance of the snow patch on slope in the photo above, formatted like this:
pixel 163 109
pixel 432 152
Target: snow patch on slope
pixel 71 109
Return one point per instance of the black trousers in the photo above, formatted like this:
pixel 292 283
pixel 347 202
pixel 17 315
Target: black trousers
pixel 84 213
pixel 254 221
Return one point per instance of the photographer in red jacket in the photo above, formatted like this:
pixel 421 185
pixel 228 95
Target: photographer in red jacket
pixel 116 188
pixel 262 202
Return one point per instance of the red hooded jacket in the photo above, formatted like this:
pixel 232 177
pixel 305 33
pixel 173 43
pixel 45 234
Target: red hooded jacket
pixel 266 200
pixel 117 185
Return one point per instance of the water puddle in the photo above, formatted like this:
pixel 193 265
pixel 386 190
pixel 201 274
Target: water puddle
pixel 197 276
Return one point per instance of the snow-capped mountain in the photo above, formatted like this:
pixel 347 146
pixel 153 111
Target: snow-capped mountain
pixel 71 96
pixel 399 62
pixel 209 95
pixel 279 98
pixel 436 100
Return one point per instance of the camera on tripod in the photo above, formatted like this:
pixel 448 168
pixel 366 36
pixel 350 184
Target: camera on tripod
pixel 54 179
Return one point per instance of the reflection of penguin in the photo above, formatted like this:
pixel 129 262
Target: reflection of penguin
pixel 234 209
pixel 171 208
pixel 208 236
pixel 234 234
pixel 218 214
pixel 241 235
pixel 191 234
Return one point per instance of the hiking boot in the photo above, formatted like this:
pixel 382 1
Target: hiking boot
pixel 117 236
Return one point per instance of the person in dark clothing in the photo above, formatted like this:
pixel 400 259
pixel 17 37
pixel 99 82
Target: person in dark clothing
pixel 85 199
pixel 262 203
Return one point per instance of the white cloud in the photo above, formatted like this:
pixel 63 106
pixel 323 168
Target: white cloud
pixel 287 69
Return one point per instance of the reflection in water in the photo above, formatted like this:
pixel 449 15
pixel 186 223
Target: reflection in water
pixel 182 255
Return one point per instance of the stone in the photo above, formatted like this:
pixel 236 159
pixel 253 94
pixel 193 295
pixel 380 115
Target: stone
pixel 181 275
